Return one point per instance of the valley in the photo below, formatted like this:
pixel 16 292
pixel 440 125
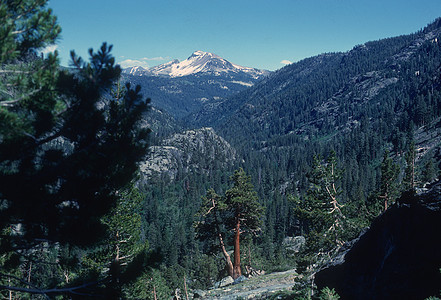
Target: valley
pixel 358 104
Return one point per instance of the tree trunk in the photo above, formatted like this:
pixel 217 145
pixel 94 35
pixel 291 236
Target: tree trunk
pixel 227 257
pixel 10 292
pixel 237 271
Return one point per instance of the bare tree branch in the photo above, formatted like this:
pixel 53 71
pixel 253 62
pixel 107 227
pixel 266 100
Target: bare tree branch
pixel 20 280
pixel 15 71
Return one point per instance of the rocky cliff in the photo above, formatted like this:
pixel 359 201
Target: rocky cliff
pixel 399 257
pixel 200 150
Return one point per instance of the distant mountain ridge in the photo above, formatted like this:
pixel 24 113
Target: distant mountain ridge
pixel 181 88
pixel 198 62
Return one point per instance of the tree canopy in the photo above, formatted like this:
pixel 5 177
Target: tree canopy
pixel 66 145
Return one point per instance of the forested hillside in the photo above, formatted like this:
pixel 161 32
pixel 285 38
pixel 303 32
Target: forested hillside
pixel 358 103
pixel 382 96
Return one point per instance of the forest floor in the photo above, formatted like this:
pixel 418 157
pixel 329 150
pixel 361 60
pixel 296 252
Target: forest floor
pixel 257 287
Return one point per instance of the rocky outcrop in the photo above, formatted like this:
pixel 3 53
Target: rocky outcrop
pixel 293 245
pixel 256 287
pixel 399 257
pixel 200 150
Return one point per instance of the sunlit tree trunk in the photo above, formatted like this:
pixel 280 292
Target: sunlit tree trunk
pixel 237 271
pixel 227 257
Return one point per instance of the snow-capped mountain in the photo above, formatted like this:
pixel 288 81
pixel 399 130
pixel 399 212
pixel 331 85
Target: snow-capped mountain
pixel 182 88
pixel 164 69
pixel 136 71
pixel 198 62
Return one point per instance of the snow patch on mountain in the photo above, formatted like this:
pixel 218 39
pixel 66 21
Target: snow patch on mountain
pixel 164 69
pixel 243 83
pixel 198 62
pixel 137 71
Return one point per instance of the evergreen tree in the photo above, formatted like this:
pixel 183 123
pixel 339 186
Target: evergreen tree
pixel 27 103
pixel 211 226
pixel 245 212
pixel 238 211
pixel 388 184
pixel 120 256
pixel 429 172
pixel 409 179
pixel 320 211
pixel 65 149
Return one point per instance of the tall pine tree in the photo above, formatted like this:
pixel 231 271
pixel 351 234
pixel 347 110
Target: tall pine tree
pixel 245 212
pixel 238 212
pixel 320 211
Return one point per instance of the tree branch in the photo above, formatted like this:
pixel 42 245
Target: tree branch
pixel 20 31
pixel 45 292
pixel 20 280
pixel 12 102
pixel 211 208
pixel 15 71
pixel 31 8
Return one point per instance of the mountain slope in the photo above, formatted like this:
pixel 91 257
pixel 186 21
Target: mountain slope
pixel 333 91
pixel 358 103
pixel 181 88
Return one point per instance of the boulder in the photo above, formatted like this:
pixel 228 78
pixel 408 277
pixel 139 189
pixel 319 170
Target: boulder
pixel 294 244
pixel 398 257
pixel 199 294
pixel 239 279
pixel 224 282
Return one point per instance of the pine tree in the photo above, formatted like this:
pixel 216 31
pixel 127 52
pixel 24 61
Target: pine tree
pixel 388 184
pixel 429 172
pixel 246 212
pixel 211 228
pixel 320 211
pixel 65 148
pixel 409 180
pixel 238 211
pixel 27 84
pixel 120 255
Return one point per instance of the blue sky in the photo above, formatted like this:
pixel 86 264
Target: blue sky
pixel 264 34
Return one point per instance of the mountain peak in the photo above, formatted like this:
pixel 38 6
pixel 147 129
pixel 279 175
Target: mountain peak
pixel 200 53
pixel 199 62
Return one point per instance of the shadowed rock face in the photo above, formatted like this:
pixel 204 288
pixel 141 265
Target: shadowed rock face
pixel 399 257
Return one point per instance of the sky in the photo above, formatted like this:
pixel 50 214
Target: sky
pixel 264 34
